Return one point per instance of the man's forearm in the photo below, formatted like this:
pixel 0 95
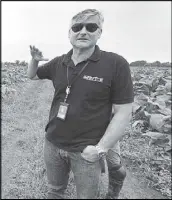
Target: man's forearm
pixel 115 130
pixel 32 68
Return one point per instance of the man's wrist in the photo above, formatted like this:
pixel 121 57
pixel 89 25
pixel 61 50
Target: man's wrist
pixel 34 60
pixel 101 150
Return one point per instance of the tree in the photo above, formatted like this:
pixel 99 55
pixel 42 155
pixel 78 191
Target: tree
pixel 156 63
pixel 23 63
pixel 138 63
pixel 17 62
pixel 166 64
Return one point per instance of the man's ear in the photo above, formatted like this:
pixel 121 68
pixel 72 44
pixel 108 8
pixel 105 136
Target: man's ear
pixel 99 33
pixel 69 33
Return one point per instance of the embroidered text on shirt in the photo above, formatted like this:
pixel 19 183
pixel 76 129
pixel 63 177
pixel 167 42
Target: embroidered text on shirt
pixel 90 78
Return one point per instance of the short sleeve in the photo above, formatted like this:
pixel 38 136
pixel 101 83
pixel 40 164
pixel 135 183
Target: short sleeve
pixel 122 85
pixel 47 70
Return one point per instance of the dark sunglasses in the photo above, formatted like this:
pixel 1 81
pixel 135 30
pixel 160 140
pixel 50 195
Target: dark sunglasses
pixel 90 27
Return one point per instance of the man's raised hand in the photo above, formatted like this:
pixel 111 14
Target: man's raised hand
pixel 36 54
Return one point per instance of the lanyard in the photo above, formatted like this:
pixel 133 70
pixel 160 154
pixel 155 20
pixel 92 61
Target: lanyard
pixel 73 80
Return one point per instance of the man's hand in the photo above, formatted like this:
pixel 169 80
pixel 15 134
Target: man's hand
pixel 90 153
pixel 36 54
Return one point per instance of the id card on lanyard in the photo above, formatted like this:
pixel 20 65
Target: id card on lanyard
pixel 62 112
pixel 64 107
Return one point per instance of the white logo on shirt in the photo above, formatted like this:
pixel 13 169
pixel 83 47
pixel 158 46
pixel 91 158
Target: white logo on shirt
pixel 90 78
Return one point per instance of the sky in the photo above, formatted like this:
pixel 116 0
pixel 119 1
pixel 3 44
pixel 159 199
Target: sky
pixel 137 30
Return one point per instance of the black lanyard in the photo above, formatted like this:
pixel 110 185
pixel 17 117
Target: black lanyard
pixel 73 80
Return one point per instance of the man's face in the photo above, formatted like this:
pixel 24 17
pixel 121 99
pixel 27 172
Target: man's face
pixel 84 39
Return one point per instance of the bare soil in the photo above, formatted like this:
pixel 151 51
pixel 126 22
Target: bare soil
pixel 24 117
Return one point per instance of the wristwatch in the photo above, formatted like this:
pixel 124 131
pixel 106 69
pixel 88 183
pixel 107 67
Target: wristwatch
pixel 101 151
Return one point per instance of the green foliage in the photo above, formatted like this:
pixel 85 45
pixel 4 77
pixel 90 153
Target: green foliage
pixel 23 63
pixel 149 144
pixel 17 62
pixel 143 63
pixel 138 63
pixel 156 63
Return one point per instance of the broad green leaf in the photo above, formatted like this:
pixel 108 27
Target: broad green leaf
pixel 168 86
pixel 156 135
pixel 158 121
pixel 135 107
pixel 163 97
pixel 165 111
pixel 147 81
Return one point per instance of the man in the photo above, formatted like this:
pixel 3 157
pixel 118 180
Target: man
pixel 88 84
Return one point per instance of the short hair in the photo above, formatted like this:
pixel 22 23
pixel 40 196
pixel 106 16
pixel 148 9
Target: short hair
pixel 87 13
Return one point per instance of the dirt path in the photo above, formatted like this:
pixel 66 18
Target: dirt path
pixel 23 172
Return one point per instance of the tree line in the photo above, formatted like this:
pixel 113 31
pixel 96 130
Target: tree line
pixel 139 63
pixel 143 63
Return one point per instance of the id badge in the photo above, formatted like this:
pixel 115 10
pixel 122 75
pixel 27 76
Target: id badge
pixel 62 112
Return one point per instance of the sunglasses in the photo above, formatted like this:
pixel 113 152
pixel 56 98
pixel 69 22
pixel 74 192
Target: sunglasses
pixel 90 27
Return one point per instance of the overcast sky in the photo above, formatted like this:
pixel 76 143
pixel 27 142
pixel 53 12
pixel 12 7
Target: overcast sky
pixel 135 30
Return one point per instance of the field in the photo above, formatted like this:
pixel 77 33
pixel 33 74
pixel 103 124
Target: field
pixel 145 149
pixel 150 153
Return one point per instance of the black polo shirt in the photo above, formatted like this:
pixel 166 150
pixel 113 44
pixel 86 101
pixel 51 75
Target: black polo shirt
pixel 105 81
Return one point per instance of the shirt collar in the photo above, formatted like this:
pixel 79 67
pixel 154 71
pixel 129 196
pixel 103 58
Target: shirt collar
pixel 94 57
